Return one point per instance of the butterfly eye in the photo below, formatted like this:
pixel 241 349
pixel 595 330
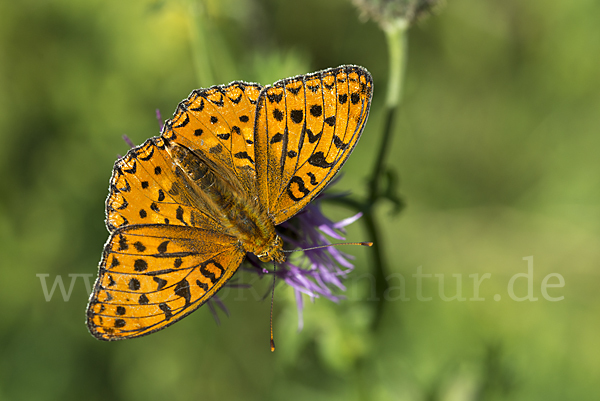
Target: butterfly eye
pixel 264 257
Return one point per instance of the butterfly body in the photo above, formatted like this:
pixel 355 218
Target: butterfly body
pixel 239 215
pixel 235 161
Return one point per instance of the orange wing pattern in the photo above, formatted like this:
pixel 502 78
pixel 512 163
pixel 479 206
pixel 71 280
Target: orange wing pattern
pixel 145 190
pixel 153 275
pixel 306 127
pixel 219 123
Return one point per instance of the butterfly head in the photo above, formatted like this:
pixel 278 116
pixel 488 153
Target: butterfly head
pixel 273 252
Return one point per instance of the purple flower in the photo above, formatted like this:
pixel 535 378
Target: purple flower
pixel 215 302
pixel 128 141
pixel 161 125
pixel 318 272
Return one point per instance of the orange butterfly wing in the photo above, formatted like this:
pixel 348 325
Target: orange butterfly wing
pixel 305 129
pixel 219 124
pixel 148 198
pixel 145 190
pixel 154 275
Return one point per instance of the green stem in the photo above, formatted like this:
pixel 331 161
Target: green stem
pixel 397 45
pixel 381 285
pixel 396 39
pixel 397 48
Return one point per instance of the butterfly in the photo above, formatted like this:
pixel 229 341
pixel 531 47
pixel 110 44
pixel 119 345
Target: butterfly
pixel 235 160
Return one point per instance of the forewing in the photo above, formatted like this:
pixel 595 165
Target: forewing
pixel 145 190
pixel 218 123
pixel 305 129
pixel 154 275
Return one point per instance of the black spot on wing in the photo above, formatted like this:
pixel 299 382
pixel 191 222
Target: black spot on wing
pixel 278 137
pixel 275 97
pixel 161 283
pixel 209 274
pixel 162 248
pixel 149 155
pixel 140 265
pixel 296 116
pixel 131 170
pixel 200 107
pixel 297 184
pixel 243 155
pixel 278 115
pixel 185 122
pixel 179 215
pixel 294 91
pixel 236 100
pixel 124 205
pixel 313 138
pixel 123 245
pixel 318 160
pixel 202 285
pixel 134 284
pixel 218 103
pixel 182 289
pixel 339 143
pixel 316 110
pixel 166 309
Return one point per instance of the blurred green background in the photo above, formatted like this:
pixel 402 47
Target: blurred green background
pixel 496 144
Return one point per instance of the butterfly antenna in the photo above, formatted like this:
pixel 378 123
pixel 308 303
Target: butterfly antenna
pixel 272 297
pixel 327 246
